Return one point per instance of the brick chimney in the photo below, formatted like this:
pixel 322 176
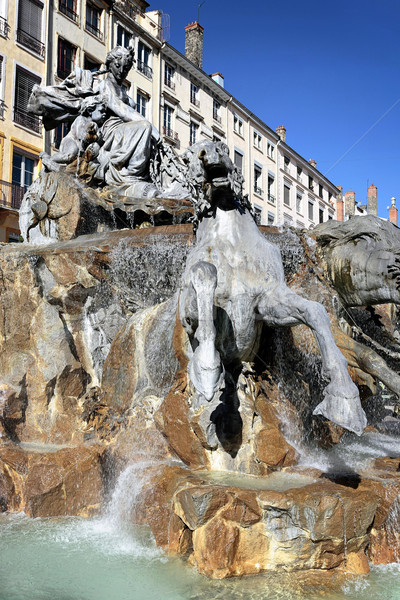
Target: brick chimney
pixel 194 43
pixel 281 131
pixel 393 216
pixel 373 200
pixel 349 203
pixel 313 163
pixel 340 204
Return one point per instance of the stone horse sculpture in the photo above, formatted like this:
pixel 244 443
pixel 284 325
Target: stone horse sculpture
pixel 234 283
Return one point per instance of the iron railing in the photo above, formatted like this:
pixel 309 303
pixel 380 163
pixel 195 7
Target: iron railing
pixel 194 100
pixel 169 133
pixel 94 30
pixel 27 40
pixel 11 195
pixel 4 27
pixel 145 69
pixel 2 106
pixel 66 10
pixel 271 198
pixel 22 117
pixel 257 190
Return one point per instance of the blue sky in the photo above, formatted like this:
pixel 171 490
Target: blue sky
pixel 328 71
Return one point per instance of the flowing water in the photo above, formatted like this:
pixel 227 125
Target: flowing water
pixel 93 559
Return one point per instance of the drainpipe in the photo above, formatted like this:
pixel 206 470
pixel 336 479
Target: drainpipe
pixel 49 65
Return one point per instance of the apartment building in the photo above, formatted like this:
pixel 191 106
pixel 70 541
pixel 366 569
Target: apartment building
pixel 23 32
pixel 169 88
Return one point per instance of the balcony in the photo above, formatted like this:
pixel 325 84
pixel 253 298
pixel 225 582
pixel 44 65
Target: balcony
pixel 67 11
pixel 11 195
pixel 2 107
pixel 258 190
pixel 216 117
pixel 271 198
pixel 4 27
pixel 170 84
pixel 170 134
pixel 22 117
pixel 145 69
pixel 194 101
pixel 25 39
pixel 94 30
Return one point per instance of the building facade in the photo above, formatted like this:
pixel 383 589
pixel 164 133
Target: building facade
pixel 168 88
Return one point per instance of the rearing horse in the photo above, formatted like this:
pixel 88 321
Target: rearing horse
pixel 234 282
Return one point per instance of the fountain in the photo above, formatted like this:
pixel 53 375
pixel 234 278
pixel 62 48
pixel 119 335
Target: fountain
pixel 163 364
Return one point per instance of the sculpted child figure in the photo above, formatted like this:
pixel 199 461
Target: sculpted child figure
pixel 84 132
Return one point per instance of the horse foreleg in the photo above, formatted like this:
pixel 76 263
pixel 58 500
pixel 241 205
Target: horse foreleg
pixel 341 402
pixel 205 367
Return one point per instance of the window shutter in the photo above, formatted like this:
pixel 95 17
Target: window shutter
pixel 30 18
pixel 24 83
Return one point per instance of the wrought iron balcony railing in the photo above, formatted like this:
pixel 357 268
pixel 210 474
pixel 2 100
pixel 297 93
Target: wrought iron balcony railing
pixel 194 100
pixel 11 195
pixel 169 83
pixel 145 69
pixel 257 190
pixel 27 40
pixel 94 30
pixel 2 106
pixel 66 10
pixel 22 117
pixel 4 27
pixel 170 134
pixel 271 198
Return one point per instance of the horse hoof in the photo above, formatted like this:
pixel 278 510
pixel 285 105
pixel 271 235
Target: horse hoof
pixel 346 412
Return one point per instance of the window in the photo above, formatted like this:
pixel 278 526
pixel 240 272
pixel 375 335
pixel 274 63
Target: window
pixel 123 37
pixel 237 125
pixel 167 123
pixel 169 73
pixel 24 83
pixel 68 8
pixel 216 138
pixel 286 163
pixel 321 215
pixel 257 140
pixel 299 199
pixel 286 195
pixel 271 218
pixel 66 58
pixel 320 192
pixel 14 236
pixel 23 168
pixel 60 132
pixel 257 214
pixel 4 26
pixel 93 20
pixel 141 104
pixel 310 183
pixel 270 150
pixel 216 109
pixel 299 172
pixel 330 196
pixel 287 220
pixel 238 160
pixel 193 133
pixel 257 180
pixel 299 225
pixel 310 210
pixel 29 30
pixel 1 89
pixel 271 182
pixel 194 90
pixel 143 62
pixel 90 64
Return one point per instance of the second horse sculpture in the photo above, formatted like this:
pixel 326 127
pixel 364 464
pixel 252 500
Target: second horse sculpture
pixel 234 283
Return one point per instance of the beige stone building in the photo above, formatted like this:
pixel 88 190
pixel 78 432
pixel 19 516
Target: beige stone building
pixel 23 31
pixel 169 88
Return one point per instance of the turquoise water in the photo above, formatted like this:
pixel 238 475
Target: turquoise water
pixel 77 559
